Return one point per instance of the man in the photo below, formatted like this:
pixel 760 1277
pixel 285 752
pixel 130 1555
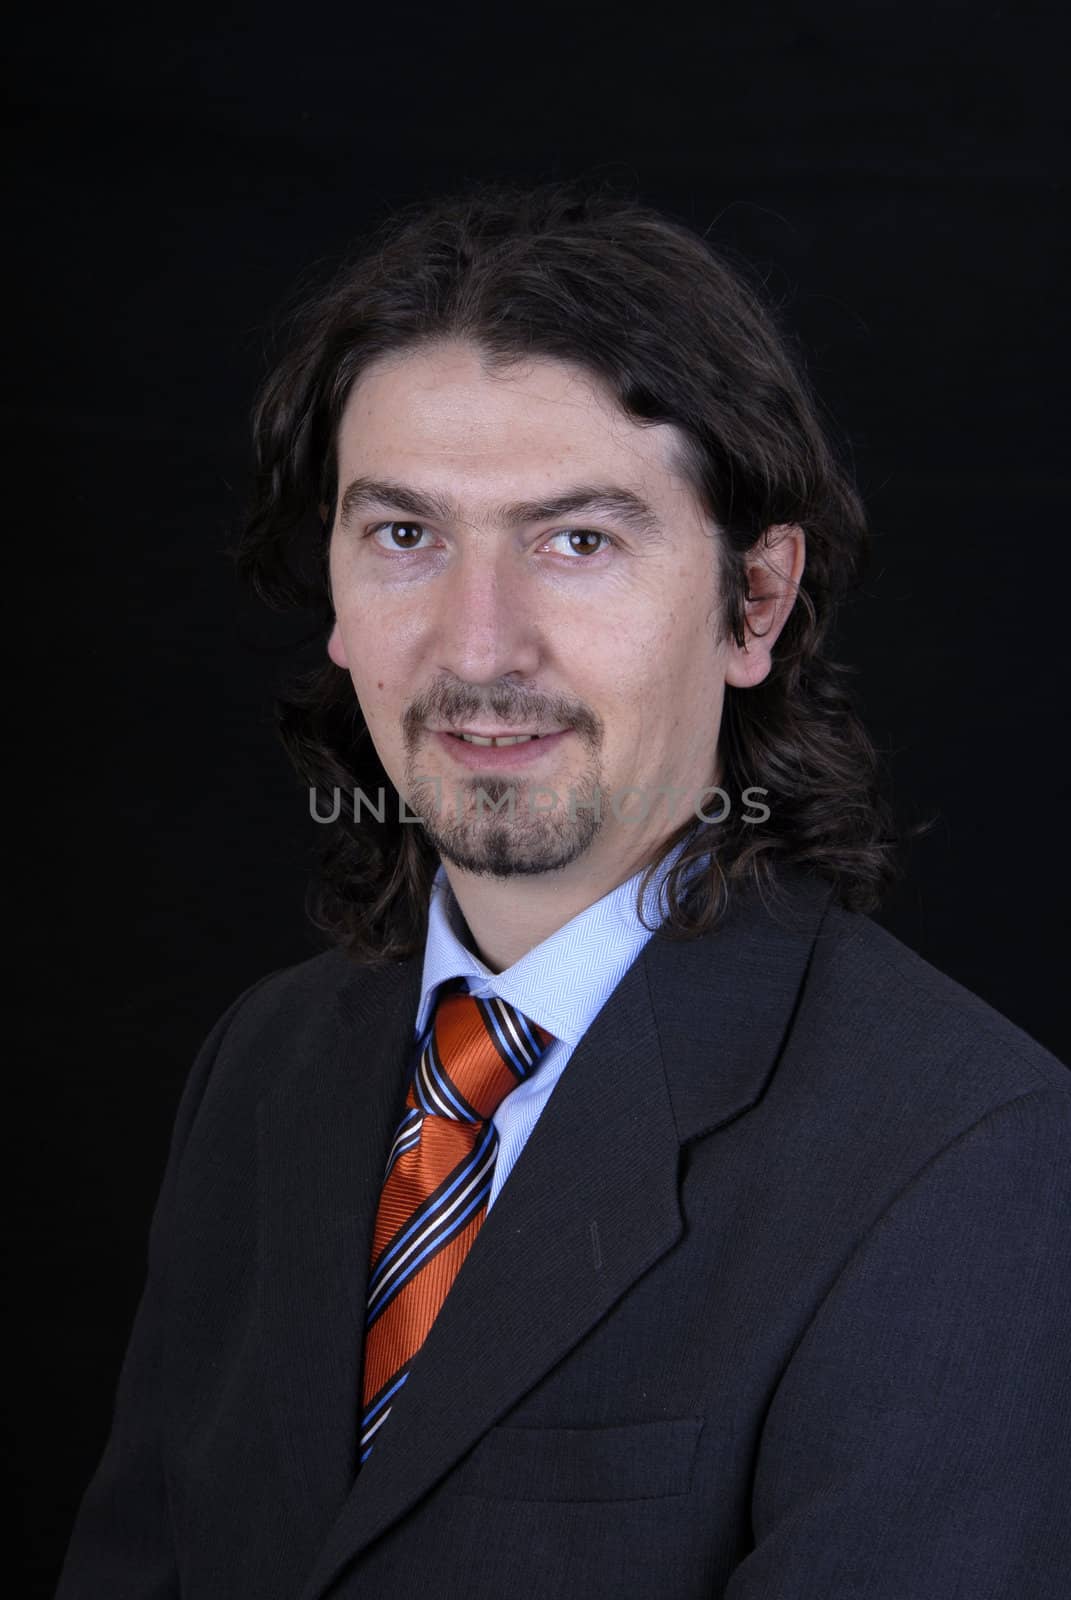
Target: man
pixel 616 1209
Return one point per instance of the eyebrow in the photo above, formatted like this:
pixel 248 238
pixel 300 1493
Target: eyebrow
pixel 607 500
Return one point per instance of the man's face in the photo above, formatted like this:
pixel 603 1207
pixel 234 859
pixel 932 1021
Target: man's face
pixel 465 603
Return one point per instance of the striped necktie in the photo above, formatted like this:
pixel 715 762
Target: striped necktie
pixel 438 1180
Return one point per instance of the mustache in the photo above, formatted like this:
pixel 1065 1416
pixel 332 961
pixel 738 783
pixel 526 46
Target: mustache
pixel 503 704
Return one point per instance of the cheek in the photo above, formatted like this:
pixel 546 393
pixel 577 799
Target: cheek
pixel 623 662
pixel 386 634
pixel 336 648
pixel 648 661
pixel 667 689
pixel 382 700
pixel 377 641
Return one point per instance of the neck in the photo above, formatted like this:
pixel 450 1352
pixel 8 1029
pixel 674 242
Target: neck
pixel 507 917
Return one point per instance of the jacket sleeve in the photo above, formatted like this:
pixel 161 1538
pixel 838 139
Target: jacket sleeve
pixel 121 1543
pixel 919 1442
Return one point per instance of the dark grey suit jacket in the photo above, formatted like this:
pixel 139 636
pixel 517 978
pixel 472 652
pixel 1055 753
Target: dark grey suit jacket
pixel 775 1304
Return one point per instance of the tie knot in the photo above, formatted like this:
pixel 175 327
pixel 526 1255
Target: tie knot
pixel 475 1053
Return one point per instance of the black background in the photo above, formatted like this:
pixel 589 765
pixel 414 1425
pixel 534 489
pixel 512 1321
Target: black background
pixel 894 174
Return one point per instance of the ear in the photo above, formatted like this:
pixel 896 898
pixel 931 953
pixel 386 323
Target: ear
pixel 774 568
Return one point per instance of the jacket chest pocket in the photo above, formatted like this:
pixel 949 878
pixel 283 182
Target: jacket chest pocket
pixel 632 1461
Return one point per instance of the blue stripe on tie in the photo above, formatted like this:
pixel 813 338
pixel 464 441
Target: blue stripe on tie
pixel 419 1089
pixel 437 1230
pixel 438 1074
pixel 456 1224
pixel 506 1045
pixel 508 1019
pixel 401 1147
pixel 409 1124
pixel 366 1432
pixel 430 1076
pixel 431 1204
pixel 537 1045
pixel 383 1397
pixel 416 1222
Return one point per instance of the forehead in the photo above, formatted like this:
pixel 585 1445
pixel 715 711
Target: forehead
pixel 442 407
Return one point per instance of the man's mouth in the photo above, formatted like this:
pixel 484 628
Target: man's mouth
pixel 518 745
pixel 514 736
pixel 498 739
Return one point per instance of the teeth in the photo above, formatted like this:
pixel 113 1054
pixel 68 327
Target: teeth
pixel 520 738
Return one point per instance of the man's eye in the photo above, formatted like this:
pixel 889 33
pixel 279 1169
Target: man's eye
pixel 585 536
pixel 402 535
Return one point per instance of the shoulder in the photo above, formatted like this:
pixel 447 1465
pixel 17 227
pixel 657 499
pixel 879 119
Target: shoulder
pixel 890 1077
pixel 291 996
pixel 303 1004
pixel 891 1001
pixel 889 1062
pixel 287 1018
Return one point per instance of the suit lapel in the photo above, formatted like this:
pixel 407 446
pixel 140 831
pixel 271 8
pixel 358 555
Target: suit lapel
pixel 724 1004
pixel 686 1043
pixel 323 1135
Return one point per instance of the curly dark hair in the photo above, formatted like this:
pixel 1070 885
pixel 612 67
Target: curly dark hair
pixel 581 273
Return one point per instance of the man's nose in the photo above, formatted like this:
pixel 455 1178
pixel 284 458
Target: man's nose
pixel 486 627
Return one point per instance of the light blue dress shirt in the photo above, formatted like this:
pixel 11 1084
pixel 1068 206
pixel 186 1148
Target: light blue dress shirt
pixel 562 984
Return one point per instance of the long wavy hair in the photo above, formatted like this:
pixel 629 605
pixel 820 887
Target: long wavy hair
pixel 581 273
